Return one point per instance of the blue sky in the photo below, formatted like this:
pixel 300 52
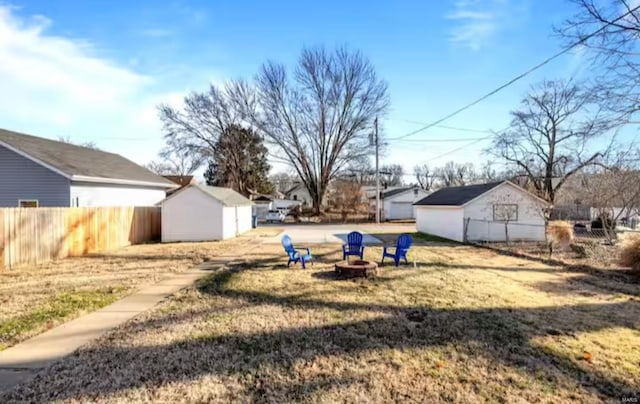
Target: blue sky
pixel 95 70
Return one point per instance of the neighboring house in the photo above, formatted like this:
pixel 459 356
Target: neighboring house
pixel 481 212
pixel 397 203
pixel 262 204
pixel 369 191
pixel 204 213
pixel 298 192
pixel 37 172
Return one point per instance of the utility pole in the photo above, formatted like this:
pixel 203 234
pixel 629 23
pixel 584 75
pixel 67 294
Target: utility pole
pixel 375 134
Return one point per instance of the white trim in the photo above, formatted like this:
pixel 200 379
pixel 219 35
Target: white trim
pixel 524 191
pixel 28 200
pixel 101 180
pixel 439 206
pixel 35 160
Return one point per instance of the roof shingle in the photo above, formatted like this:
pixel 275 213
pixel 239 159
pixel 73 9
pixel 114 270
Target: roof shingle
pixel 80 161
pixel 456 196
pixel 226 196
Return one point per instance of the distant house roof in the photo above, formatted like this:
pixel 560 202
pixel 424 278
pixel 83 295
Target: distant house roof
pixel 226 196
pixel 458 196
pixel 80 163
pixel 392 192
pixel 181 180
pixel 295 186
pixel 262 198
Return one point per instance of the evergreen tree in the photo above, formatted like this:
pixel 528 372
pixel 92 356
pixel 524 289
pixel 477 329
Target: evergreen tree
pixel 240 162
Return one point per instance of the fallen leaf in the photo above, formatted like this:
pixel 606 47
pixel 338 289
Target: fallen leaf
pixel 439 364
pixel 586 356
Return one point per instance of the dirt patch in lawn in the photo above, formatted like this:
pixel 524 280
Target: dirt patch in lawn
pixel 35 298
pixel 464 324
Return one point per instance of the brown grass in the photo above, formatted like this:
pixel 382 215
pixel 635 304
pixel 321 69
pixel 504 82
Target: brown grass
pixel 35 298
pixel 463 325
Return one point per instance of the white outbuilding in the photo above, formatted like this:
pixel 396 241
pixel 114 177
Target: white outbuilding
pixel 397 203
pixel 204 213
pixel 483 212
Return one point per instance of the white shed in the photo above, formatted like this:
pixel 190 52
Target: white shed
pixel 204 213
pixel 483 212
pixel 397 203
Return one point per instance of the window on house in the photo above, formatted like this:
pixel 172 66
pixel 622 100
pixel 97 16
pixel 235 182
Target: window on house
pixel 28 203
pixel 415 191
pixel 295 197
pixel 505 212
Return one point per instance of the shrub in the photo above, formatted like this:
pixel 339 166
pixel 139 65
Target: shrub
pixel 560 233
pixel 630 252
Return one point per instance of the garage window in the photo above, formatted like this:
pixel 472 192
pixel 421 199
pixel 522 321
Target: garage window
pixel 28 203
pixel 505 212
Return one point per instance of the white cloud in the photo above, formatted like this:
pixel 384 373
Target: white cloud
pixel 51 85
pixel 476 22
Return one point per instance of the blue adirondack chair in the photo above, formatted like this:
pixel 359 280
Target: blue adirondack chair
pixel 402 247
pixel 353 246
pixel 296 254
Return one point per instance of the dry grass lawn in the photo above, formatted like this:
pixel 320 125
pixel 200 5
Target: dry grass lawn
pixel 463 324
pixel 35 298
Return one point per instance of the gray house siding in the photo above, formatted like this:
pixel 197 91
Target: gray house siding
pixel 21 178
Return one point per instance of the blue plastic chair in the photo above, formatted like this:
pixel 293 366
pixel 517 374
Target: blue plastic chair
pixel 295 254
pixel 402 247
pixel 353 246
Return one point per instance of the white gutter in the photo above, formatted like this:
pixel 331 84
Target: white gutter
pixel 83 178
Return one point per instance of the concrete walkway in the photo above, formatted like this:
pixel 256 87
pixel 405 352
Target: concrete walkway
pixel 21 362
pixel 335 233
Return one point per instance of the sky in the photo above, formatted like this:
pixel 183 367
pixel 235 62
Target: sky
pixel 95 71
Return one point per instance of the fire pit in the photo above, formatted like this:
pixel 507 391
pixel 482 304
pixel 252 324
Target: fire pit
pixel 352 269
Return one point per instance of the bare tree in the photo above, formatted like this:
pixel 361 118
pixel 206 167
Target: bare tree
pixel 456 174
pixel 347 197
pixel 176 162
pixel 425 176
pixel 194 129
pixel 612 190
pixel 610 31
pixel 551 135
pixel 391 174
pixel 320 117
pixel 283 181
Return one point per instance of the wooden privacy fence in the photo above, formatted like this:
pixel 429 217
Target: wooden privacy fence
pixel 35 235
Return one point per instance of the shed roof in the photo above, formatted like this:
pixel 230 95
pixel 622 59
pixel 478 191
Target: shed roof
pixel 226 196
pixel 457 196
pixel 83 163
pixel 392 192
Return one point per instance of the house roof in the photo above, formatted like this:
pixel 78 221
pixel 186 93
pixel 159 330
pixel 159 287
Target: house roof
pixel 263 198
pixel 181 180
pixel 80 163
pixel 294 187
pixel 392 192
pixel 226 196
pixel 456 196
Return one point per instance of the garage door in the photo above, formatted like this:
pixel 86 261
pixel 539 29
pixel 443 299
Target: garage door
pixel 401 210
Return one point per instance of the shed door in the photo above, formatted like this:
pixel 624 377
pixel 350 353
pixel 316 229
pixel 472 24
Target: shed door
pixel 401 210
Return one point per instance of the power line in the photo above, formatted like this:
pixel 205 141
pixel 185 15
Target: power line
pixel 445 126
pixel 467 139
pixel 518 77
